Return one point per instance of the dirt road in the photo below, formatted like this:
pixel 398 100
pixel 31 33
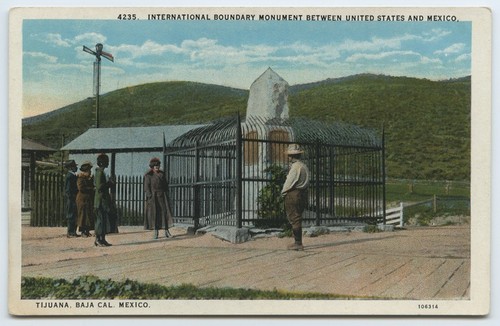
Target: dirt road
pixel 416 263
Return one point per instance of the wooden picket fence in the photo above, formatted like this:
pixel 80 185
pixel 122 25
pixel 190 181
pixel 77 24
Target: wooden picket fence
pixel 395 215
pixel 48 200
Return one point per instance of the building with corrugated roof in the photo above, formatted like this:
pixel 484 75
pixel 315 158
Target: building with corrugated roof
pixel 129 148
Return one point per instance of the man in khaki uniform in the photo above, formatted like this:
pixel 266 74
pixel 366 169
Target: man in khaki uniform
pixel 295 192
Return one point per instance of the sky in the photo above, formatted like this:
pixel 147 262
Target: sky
pixel 57 72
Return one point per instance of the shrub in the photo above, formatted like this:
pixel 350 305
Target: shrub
pixel 271 210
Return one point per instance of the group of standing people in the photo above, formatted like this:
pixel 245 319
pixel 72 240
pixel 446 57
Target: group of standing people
pixel 89 205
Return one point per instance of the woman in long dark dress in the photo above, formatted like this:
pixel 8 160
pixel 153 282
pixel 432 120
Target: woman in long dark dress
pixel 158 213
pixel 102 201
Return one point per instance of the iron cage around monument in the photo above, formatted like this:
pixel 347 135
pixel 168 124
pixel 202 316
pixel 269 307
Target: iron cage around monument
pixel 231 172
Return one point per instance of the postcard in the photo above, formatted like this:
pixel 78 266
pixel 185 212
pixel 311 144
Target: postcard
pixel 227 161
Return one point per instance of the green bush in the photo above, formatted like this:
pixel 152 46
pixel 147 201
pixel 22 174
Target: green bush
pixel 271 210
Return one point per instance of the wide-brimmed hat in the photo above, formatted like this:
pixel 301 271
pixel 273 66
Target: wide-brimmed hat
pixel 70 164
pixel 84 164
pixel 294 149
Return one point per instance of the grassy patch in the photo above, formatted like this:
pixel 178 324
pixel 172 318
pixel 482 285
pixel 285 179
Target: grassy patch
pixel 91 287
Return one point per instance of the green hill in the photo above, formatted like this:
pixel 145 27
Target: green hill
pixel 427 123
pixel 143 105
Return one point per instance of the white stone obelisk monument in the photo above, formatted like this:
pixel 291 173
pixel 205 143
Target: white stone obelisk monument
pixel 268 98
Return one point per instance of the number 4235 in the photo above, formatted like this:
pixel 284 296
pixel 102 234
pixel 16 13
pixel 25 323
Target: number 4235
pixel 127 17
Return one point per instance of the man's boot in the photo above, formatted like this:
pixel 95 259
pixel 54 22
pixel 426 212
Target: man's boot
pixel 297 245
pixel 155 235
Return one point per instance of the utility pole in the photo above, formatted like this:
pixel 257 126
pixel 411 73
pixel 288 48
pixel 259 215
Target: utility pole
pixel 98 53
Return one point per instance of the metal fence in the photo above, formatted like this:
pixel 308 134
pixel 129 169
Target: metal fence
pixel 129 199
pixel 231 173
pixel 202 183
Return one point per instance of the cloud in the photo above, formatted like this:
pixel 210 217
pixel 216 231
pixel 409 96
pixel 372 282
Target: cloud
pixel 463 57
pixel 205 51
pixel 211 52
pixel 89 39
pixel 41 56
pixel 376 43
pixel 381 56
pixel 427 60
pixel 148 48
pixel 434 35
pixel 56 39
pixel 52 39
pixel 452 49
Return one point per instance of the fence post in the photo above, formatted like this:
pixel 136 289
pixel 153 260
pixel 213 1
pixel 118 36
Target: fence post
pixel 35 200
pixel 239 171
pixel 61 185
pixel 401 207
pixel 383 174
pixel 434 204
pixel 318 203
pixel 196 190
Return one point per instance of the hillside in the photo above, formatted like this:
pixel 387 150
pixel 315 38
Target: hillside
pixel 427 123
pixel 142 105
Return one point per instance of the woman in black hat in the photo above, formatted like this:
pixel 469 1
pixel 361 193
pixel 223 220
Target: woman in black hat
pixel 158 214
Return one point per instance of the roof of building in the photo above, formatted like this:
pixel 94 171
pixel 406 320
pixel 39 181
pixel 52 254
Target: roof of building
pixel 304 131
pixel 31 146
pixel 126 139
